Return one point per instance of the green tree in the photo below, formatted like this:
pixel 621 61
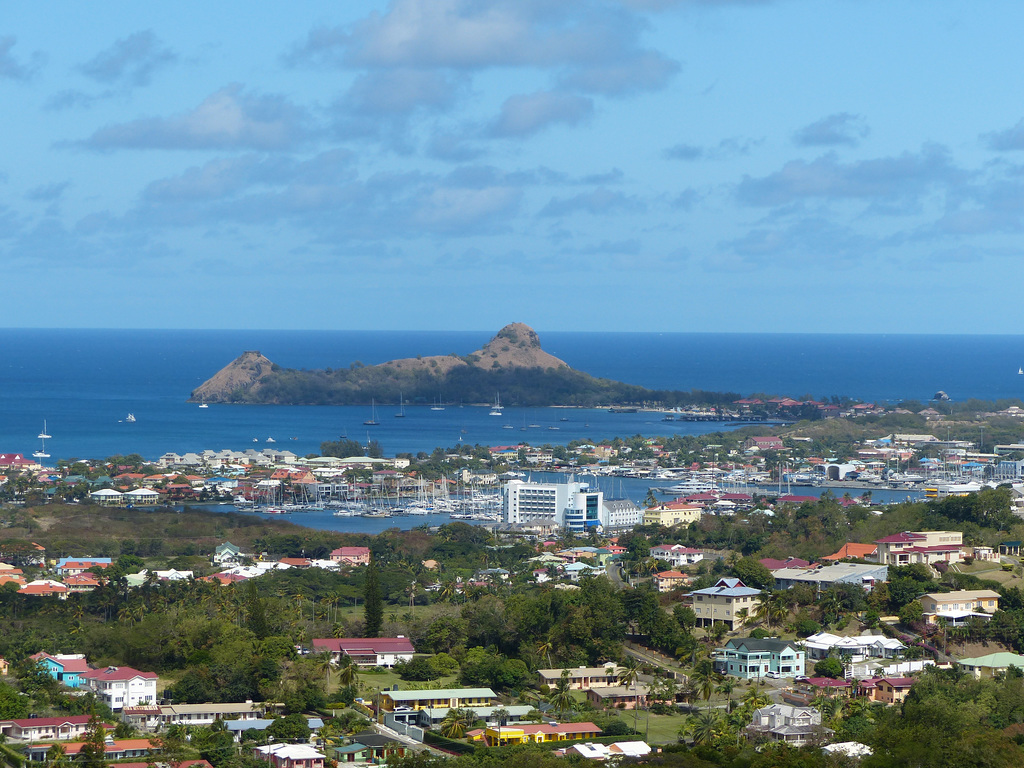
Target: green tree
pixel 256 614
pixel 93 753
pixel 456 722
pixel 705 728
pixel 561 697
pixel 829 668
pixel 292 728
pixel 373 602
pixel 753 573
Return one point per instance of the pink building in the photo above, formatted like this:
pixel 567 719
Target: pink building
pixel 351 555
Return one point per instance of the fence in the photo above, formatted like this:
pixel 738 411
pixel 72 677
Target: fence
pixel 414 732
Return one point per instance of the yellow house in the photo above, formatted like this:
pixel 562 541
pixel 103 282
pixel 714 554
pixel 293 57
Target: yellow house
pixel 725 602
pixel 536 734
pixel 453 698
pixel 671 514
pixel 959 604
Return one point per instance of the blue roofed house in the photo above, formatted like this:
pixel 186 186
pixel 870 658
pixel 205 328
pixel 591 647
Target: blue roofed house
pixel 751 658
pixel 725 602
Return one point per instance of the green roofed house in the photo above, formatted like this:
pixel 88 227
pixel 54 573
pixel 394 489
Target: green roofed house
pixel 992 664
pixel 438 697
pixel 370 748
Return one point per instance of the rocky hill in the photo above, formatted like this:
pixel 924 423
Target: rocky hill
pixel 511 364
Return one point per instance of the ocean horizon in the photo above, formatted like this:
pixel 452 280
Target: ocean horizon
pixel 84 382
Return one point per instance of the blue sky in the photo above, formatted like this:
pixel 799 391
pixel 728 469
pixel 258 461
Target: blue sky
pixel 648 165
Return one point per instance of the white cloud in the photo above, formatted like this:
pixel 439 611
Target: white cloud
pixel 907 175
pixel 1008 140
pixel 227 119
pixel 131 60
pixel 524 114
pixel 597 202
pixel 13 69
pixel 833 130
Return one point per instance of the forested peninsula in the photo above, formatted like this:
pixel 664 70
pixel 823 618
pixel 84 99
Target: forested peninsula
pixel 511 365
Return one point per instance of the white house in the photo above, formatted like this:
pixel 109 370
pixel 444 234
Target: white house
pixel 120 687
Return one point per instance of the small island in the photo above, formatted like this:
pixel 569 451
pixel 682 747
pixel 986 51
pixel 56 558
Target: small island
pixel 512 366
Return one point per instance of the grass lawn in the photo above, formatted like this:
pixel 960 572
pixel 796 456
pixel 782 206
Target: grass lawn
pixel 663 729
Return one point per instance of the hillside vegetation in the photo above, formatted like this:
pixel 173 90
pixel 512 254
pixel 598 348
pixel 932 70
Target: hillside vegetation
pixel 511 365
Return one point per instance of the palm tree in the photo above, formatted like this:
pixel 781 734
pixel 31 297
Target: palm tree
pixel 703 727
pixel 348 672
pixel 771 608
pixel 561 697
pixel 324 663
pixel 56 757
pixel 727 686
pixel 447 591
pixel 742 616
pixel 629 674
pixel 544 648
pixel 756 698
pixel 704 677
pixel 455 723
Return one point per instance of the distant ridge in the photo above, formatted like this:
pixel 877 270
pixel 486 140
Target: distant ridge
pixel 511 364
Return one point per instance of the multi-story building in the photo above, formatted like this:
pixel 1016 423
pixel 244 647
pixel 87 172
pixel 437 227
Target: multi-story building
pixel 676 554
pixel 925 547
pixel 748 657
pixel 672 513
pixel 795 726
pixel 39 728
pixel 888 690
pixel 669 580
pixel 573 506
pixel 63 667
pixel 163 715
pixel 120 687
pixel 583 678
pixel 724 602
pixel 439 697
pixel 351 555
pixel 858 648
pixel 621 514
pixel 368 651
pixel 957 607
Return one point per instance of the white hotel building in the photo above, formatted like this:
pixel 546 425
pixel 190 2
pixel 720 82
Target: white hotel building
pixel 555 505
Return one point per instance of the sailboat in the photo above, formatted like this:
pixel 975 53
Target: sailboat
pixel 437 406
pixel 41 453
pixel 130 418
pixel 203 405
pixel 496 408
pixel 372 421
pixel 401 407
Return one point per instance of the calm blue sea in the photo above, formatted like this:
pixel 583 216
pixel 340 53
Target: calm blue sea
pixel 83 383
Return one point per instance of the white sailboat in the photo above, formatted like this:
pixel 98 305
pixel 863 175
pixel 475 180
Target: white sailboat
pixel 130 418
pixel 437 406
pixel 43 437
pixel 203 405
pixel 401 407
pixel 372 421
pixel 496 408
